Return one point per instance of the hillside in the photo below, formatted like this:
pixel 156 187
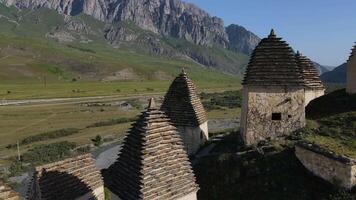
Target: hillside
pixel 338 75
pixel 332 122
pixel 90 35
pixel 322 69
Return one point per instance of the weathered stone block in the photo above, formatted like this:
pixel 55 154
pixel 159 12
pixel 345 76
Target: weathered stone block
pixel 269 112
pixel 336 170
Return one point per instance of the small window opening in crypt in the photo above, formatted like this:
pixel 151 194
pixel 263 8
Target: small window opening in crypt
pixel 276 116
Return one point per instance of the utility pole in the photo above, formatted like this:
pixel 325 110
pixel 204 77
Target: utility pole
pixel 18 151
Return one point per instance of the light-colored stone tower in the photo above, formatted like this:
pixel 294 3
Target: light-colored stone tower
pixel 183 106
pixel 75 178
pixel 153 164
pixel 351 73
pixel 7 194
pixel 314 88
pixel 273 92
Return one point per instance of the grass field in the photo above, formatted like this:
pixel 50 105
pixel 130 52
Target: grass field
pixel 19 122
pixel 91 89
pixel 89 118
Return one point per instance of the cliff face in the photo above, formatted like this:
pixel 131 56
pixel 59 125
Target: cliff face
pixel 241 40
pixel 166 17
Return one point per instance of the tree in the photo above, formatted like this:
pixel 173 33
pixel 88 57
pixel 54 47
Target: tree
pixel 97 141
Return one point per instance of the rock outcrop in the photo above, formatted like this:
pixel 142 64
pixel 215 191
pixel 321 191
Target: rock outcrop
pixel 166 17
pixel 241 40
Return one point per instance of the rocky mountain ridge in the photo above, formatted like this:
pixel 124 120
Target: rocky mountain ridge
pixel 172 18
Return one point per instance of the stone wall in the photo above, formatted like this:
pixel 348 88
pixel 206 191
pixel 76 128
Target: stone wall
pixel 351 75
pixel 335 169
pixel 311 94
pixel 194 137
pixel 259 103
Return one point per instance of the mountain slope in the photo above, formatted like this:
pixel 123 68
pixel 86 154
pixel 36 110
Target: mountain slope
pixel 338 75
pixel 241 40
pixel 199 37
pixel 42 43
pixel 166 17
pixel 321 69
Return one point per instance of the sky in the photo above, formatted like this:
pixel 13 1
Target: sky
pixel 323 30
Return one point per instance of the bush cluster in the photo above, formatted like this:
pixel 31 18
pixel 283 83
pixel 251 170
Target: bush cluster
pixel 112 122
pixel 227 99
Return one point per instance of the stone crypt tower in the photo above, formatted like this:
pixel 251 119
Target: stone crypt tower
pixel 273 92
pixel 314 88
pixel 153 164
pixel 183 106
pixel 351 73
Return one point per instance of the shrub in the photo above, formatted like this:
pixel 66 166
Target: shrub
pixel 227 99
pixel 112 122
pixel 97 141
pixel 48 153
pixel 49 135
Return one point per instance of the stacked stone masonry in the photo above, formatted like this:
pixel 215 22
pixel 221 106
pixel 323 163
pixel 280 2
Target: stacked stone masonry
pixel 314 88
pixel 185 109
pixel 6 193
pixel 273 92
pixel 152 163
pixel 75 178
pixel 263 102
pixel 351 73
pixel 338 170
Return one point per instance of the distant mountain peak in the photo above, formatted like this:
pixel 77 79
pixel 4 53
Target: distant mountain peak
pixel 241 40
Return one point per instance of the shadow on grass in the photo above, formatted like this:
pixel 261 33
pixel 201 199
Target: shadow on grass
pixel 336 102
pixel 273 176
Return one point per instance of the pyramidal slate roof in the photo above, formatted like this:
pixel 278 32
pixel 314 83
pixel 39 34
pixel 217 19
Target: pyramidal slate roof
pixel 353 52
pixel 182 103
pixel 273 63
pixel 153 163
pixel 6 193
pixel 67 179
pixel 310 73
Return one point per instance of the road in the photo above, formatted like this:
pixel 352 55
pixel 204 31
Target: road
pixel 75 99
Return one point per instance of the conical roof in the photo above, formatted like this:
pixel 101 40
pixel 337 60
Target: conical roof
pixel 152 163
pixel 6 193
pixel 67 179
pixel 310 73
pixel 182 103
pixel 353 52
pixel 273 63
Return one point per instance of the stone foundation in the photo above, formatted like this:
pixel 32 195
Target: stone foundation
pixel 191 196
pixel 260 104
pixel 194 137
pixel 338 170
pixel 311 94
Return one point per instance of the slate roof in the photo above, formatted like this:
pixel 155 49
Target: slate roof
pixel 273 63
pixel 152 163
pixel 310 73
pixel 182 103
pixel 353 52
pixel 66 180
pixel 6 193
